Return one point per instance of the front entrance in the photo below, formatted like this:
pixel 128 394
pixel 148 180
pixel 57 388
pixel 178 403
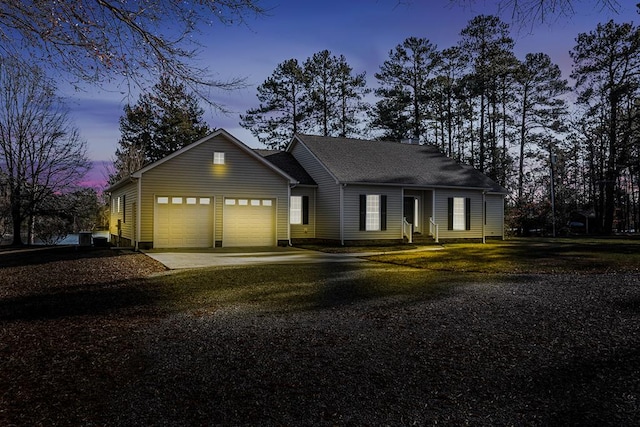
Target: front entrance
pixel 411 211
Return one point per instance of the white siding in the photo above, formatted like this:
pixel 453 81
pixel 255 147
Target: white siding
pixel 327 204
pixel 441 212
pixel 305 231
pixel 352 212
pixel 128 195
pixel 495 215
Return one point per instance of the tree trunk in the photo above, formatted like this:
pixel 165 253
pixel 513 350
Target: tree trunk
pixel 16 217
pixel 611 174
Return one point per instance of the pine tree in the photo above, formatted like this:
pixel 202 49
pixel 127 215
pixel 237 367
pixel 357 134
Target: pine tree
pixel 404 79
pixel 283 108
pixel 160 123
pixel 321 96
pixel 607 72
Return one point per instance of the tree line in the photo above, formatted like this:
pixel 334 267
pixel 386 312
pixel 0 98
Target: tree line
pixel 511 118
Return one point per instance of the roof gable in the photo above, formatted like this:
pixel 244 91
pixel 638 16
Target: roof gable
pixel 392 163
pixel 230 138
pixel 285 161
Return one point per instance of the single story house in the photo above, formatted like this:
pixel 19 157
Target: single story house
pixel 220 192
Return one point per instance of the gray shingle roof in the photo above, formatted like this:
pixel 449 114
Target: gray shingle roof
pixel 287 163
pixel 362 161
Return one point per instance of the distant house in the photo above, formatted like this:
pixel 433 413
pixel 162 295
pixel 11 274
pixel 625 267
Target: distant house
pixel 219 192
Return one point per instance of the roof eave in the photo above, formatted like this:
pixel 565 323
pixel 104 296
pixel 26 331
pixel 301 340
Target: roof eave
pixel 124 181
pixel 447 187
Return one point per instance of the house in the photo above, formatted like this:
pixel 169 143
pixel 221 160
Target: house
pixel 219 192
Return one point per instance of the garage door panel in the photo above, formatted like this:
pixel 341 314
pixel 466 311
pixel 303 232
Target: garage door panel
pixel 179 224
pixel 251 223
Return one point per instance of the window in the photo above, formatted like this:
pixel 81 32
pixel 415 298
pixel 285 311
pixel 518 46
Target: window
pixel 459 212
pixel 229 202
pixel 124 208
pixel 255 202
pixel 218 158
pixel 163 200
pixel 205 201
pixel 176 200
pixel 299 210
pixel 373 212
pixel 267 203
pixel 118 200
pixel 295 210
pixel 243 202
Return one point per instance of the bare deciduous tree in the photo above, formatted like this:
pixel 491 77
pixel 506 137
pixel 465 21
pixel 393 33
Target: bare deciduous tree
pixel 531 11
pixel 104 40
pixel 40 150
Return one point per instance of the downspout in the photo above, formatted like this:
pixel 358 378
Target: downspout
pixel 138 214
pixel 288 218
pixel 484 214
pixel 433 206
pixel 402 217
pixel 503 197
pixel 342 213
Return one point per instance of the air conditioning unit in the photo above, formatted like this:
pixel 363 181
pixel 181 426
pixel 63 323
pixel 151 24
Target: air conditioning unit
pixel 84 238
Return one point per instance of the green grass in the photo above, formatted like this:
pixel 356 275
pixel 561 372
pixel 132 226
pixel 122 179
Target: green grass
pixel 419 275
pixel 532 256
pixel 300 287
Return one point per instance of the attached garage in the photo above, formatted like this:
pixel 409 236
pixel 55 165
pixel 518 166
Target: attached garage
pixel 249 222
pixel 183 222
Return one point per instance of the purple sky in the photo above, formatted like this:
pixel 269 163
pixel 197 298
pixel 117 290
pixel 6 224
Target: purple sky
pixel 364 31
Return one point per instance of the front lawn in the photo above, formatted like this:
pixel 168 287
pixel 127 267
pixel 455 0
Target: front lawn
pixel 531 256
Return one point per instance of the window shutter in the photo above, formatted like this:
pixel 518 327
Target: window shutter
pixel 363 212
pixel 305 209
pixel 467 213
pixel 450 213
pixel 383 212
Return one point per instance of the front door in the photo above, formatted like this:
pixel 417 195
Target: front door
pixel 411 211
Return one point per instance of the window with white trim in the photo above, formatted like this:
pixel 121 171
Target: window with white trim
pixel 373 213
pixel 218 158
pixel 458 213
pixel 295 210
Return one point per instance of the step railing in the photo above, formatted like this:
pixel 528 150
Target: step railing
pixel 434 230
pixel 407 230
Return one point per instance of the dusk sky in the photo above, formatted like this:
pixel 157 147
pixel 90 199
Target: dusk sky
pixel 364 31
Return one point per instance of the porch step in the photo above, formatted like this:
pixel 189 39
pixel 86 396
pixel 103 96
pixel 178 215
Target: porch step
pixel 421 239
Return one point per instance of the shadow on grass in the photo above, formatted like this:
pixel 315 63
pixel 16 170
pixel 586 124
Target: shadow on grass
pixel 306 287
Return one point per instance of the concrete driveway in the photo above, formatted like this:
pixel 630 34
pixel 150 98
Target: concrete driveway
pixel 193 258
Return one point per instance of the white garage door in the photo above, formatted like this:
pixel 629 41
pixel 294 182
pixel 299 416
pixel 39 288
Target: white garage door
pixel 183 222
pixel 248 222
